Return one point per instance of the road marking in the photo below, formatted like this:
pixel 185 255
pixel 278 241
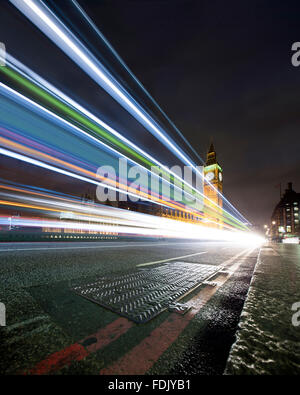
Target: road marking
pixel 81 349
pixel 82 247
pixel 142 357
pixel 43 328
pixel 170 259
pixel 60 359
pixel 111 332
pixel 26 322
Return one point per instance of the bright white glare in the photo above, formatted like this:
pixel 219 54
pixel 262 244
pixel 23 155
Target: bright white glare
pixel 179 230
pixel 129 223
pixel 248 238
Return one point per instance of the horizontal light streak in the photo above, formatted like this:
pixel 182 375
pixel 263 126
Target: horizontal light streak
pixel 186 231
pixel 86 211
pixel 44 165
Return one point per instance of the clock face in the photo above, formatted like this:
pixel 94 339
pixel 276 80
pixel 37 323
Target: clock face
pixel 210 176
pixel 220 177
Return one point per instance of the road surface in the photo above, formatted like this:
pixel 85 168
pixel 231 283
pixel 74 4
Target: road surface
pixel 50 329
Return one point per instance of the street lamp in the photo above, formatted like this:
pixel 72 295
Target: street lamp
pixel 273 222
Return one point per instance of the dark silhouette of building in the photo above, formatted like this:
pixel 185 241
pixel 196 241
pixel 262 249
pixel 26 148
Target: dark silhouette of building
pixel 285 217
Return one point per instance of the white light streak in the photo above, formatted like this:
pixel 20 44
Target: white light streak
pixel 50 25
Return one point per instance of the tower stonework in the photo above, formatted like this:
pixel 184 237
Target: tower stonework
pixel 213 174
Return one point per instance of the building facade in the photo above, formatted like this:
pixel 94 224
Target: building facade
pixel 285 217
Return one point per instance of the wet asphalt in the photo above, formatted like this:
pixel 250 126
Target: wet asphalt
pixel 44 317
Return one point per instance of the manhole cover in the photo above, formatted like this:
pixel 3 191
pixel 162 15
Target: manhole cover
pixel 141 295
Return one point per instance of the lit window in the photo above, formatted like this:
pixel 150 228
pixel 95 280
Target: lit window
pixel 288 229
pixel 296 208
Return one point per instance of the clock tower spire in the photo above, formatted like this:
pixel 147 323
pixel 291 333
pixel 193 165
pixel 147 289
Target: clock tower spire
pixel 211 155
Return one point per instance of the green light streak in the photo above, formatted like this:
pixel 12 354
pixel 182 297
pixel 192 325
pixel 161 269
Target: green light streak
pixel 71 115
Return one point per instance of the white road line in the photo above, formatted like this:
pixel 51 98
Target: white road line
pixel 26 322
pixel 43 328
pixel 170 259
pixel 87 247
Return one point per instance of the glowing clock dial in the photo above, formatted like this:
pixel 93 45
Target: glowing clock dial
pixel 210 176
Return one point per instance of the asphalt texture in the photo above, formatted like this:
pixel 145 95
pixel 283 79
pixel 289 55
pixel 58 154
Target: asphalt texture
pixel 51 330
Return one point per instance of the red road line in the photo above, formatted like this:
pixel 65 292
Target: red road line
pixel 77 352
pixel 143 356
pixel 56 361
pixel 109 333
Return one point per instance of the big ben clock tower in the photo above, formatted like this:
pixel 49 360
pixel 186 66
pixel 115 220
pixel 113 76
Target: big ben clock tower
pixel 213 184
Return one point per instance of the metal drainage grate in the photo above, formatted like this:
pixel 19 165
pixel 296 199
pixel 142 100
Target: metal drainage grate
pixel 141 295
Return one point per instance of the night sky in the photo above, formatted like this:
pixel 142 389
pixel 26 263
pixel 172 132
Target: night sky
pixel 222 72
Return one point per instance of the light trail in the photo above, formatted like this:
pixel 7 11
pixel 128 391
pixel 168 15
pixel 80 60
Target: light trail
pixel 182 231
pixel 72 216
pixel 51 26
pixel 93 139
pixel 44 165
pixel 34 105
pixel 227 214
pixel 143 153
pixel 80 210
pixel 120 60
pixel 72 205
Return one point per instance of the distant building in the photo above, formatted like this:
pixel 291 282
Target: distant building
pixel 211 214
pixel 285 217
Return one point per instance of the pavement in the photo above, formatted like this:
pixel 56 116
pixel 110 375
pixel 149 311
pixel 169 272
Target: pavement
pixel 52 330
pixel 268 338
